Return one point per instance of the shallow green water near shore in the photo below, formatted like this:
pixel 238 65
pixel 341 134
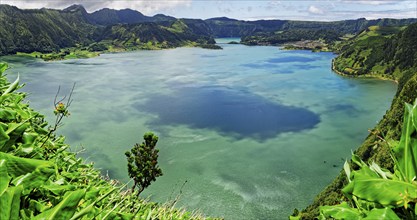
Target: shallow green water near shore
pixel 255 131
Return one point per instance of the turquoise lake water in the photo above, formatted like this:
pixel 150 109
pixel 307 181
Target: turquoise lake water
pixel 255 131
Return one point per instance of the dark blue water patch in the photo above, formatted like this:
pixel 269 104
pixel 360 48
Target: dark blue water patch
pixel 293 59
pixel 233 113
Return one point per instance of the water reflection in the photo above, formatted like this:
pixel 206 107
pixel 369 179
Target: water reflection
pixel 230 112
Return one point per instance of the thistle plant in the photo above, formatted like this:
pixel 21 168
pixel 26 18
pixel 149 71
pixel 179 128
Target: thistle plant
pixel 60 111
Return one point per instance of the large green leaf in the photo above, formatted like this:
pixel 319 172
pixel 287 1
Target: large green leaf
pixel 346 167
pixel 3 137
pixel 383 191
pixel 29 137
pixel 3 67
pixel 406 151
pixel 15 206
pixel 7 115
pixel 12 86
pixel 385 213
pixel 59 189
pixel 34 180
pixel 17 166
pixel 341 211
pixel 65 209
pixel 90 207
pixel 383 173
pixel 5 178
pixel 10 203
pixel 19 127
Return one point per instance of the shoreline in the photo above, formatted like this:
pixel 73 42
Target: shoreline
pixel 76 53
pixel 364 76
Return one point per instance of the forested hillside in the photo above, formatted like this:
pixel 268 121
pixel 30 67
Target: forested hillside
pixel 291 31
pixel 48 30
pixel 43 30
pixel 377 52
pixel 151 35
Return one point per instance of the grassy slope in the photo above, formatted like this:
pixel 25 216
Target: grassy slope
pixel 396 65
pixel 41 178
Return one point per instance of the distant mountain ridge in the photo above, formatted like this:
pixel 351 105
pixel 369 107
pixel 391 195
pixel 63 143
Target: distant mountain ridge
pixel 229 27
pixel 309 30
pixel 49 30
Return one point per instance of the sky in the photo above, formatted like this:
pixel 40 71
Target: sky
pixel 318 10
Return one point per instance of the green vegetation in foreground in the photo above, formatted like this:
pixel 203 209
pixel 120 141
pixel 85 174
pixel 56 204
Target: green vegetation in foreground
pixel 377 193
pixel 400 52
pixel 42 179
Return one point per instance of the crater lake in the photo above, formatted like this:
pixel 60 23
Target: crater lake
pixel 244 132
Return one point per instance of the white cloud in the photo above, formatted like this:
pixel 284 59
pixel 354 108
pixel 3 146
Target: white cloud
pixel 245 9
pixel 315 10
pixel 144 6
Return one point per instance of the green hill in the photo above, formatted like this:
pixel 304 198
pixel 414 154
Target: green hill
pixel 152 36
pixel 330 32
pixel 51 31
pixel 43 30
pixel 370 52
pixel 377 52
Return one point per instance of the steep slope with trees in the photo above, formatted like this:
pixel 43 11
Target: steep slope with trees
pixel 289 31
pixel 152 35
pixel 400 56
pixel 43 30
pixel 48 30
